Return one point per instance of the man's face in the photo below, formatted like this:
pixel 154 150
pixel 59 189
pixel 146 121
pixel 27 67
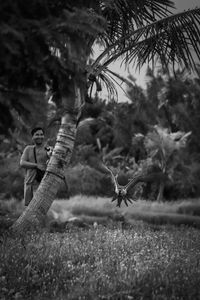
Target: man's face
pixel 38 137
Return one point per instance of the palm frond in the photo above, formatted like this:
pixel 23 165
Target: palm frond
pixel 114 77
pixel 105 79
pixel 123 16
pixel 110 80
pixel 119 77
pixel 173 40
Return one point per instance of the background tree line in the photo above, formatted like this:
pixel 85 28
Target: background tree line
pixel 117 132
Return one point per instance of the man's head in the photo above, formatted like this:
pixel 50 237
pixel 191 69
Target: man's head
pixel 37 135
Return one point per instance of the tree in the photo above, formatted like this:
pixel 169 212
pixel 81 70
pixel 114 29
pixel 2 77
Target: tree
pixel 179 98
pixel 171 102
pixel 164 147
pixel 53 41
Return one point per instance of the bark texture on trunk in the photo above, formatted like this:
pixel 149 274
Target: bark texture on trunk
pixel 36 211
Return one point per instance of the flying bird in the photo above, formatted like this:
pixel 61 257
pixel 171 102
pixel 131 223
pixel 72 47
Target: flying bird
pixel 122 192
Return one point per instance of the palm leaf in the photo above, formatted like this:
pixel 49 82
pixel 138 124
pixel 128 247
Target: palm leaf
pixel 123 16
pixel 174 39
pixel 110 79
pixel 107 81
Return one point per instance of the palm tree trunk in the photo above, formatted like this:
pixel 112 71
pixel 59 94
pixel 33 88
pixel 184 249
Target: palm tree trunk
pixel 36 211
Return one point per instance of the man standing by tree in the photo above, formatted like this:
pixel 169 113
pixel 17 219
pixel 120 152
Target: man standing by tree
pixel 34 161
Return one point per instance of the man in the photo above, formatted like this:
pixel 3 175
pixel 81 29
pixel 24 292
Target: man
pixel 33 157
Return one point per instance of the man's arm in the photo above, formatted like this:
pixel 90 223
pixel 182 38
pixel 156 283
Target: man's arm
pixel 24 162
pixel 27 164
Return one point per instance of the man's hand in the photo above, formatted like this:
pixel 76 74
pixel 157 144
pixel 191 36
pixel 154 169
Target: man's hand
pixel 41 167
pixel 49 150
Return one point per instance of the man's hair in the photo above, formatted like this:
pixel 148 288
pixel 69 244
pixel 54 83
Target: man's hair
pixel 33 131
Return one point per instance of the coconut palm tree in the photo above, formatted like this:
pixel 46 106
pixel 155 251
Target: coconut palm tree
pixel 138 32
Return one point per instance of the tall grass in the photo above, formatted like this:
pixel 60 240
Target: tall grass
pixel 103 263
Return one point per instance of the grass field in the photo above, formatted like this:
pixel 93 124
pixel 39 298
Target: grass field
pixel 142 260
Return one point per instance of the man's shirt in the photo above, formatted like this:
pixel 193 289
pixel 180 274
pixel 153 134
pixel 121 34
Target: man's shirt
pixel 28 155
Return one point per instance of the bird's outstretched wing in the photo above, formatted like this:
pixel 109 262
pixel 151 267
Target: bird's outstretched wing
pixel 134 180
pixel 122 191
pixel 114 179
pixel 145 176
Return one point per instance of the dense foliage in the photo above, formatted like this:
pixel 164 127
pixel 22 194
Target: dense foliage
pixel 117 133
